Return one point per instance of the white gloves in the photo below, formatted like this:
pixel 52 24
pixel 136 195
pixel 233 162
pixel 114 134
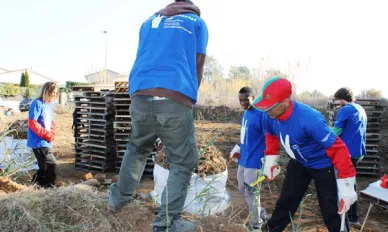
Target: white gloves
pixel 347 194
pixel 271 168
pixel 235 154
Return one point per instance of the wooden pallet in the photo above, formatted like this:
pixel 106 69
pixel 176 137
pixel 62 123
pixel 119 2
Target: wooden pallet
pixel 123 118
pixel 97 132
pixel 122 125
pixel 82 157
pixel 95 168
pixel 121 86
pixel 97 140
pixel 82 166
pixel 374 113
pixel 122 111
pixel 149 164
pixel 95 147
pixel 121 95
pixel 365 102
pixel 367 170
pixel 82 88
pixel 148 171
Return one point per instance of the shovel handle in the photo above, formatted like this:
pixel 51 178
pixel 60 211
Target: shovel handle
pixel 260 179
pixel 343 221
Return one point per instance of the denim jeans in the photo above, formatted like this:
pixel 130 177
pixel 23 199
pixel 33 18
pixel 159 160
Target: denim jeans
pixel 173 123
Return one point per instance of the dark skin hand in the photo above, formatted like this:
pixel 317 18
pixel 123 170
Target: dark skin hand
pixel 200 63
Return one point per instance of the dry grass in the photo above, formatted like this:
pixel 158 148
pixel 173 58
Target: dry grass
pixel 69 209
pixel 222 92
pixel 64 110
pixel 75 209
pixel 8 186
pixel 230 221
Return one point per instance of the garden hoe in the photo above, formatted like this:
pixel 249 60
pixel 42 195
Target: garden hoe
pixel 252 187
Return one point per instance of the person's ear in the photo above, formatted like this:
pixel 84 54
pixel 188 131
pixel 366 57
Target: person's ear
pixel 287 102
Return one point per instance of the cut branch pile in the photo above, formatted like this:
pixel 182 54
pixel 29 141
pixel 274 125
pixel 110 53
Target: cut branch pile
pixel 211 159
pixel 18 129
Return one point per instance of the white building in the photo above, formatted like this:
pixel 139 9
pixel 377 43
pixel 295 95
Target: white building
pixel 110 78
pixel 3 70
pixel 14 76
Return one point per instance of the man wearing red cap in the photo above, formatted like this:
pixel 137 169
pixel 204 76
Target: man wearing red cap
pixel 316 154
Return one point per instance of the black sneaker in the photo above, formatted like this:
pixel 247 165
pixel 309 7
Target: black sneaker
pixel 253 226
pixel 177 225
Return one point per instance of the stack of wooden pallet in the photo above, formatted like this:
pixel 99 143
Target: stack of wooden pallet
pixel 122 125
pixel 369 166
pixel 95 147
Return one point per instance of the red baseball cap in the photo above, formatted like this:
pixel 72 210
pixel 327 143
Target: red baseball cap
pixel 275 90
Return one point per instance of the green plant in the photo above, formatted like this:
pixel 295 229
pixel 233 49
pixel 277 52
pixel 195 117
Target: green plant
pixel 27 93
pixel 10 90
pixel 201 152
pixel 13 166
pixel 256 204
pixel 33 92
pixel 23 80
pixel 70 84
pixel 27 79
pixel 301 207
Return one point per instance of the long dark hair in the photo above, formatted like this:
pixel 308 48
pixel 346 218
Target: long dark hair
pixel 187 1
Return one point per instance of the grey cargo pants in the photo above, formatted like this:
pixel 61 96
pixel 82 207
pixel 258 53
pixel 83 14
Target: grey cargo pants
pixel 173 123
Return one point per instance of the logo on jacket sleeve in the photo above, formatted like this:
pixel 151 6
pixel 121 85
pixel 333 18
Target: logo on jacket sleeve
pixel 326 138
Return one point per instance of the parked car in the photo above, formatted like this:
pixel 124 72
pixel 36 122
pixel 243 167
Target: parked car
pixel 24 104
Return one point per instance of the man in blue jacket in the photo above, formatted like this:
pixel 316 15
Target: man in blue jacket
pixel 163 85
pixel 350 126
pixel 252 145
pixel 315 153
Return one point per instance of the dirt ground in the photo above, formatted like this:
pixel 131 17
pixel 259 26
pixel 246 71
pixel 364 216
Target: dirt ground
pixel 311 218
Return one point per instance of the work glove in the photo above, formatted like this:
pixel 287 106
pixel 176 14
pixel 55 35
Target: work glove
pixel 234 155
pixel 271 168
pixel 49 136
pixel 53 128
pixel 347 194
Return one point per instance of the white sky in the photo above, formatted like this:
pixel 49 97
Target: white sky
pixel 345 40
